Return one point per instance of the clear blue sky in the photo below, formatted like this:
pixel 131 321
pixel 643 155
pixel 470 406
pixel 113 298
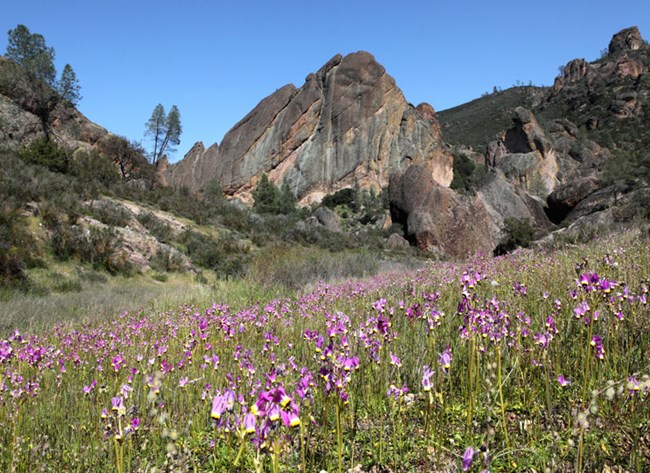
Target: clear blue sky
pixel 217 60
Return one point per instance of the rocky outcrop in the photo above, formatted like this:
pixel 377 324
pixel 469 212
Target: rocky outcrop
pixel 626 67
pixel 19 126
pixel 397 242
pixel 566 197
pixel 135 245
pixel 436 218
pixel 525 155
pixel 628 39
pixel 503 200
pixel 572 73
pixel 327 218
pixel 625 105
pixel 348 123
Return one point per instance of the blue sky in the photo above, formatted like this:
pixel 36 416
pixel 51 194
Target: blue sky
pixel 217 60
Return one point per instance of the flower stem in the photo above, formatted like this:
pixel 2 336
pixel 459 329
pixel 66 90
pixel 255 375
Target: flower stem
pixel 339 435
pixel 503 405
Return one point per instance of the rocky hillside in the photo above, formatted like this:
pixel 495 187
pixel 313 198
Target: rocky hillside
pixel 575 152
pixel 572 156
pixel 349 123
pixel 27 115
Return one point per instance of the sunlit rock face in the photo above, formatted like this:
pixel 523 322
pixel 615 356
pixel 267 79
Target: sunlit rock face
pixel 349 124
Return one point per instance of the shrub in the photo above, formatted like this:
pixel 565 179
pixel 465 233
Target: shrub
pixel 223 255
pixel 268 199
pixel 156 227
pixel 111 214
pixel 167 261
pixel 96 246
pixel 468 175
pixel 47 153
pixel 341 197
pixel 18 248
pixel 518 233
pixel 94 167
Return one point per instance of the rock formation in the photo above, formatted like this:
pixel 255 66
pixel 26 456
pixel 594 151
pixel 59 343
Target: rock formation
pixel 628 39
pixel 348 123
pixel 19 125
pixel 436 218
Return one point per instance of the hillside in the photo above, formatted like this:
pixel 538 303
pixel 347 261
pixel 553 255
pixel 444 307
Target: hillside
pixel 593 124
pixel 477 123
pixel 559 164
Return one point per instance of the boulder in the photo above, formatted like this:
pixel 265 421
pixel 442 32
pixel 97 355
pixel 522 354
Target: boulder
pixel 628 39
pixel 566 197
pixel 436 218
pixel 327 218
pixel 397 242
pixel 526 155
pixel 17 127
pixel 526 135
pixel 349 123
pixel 503 200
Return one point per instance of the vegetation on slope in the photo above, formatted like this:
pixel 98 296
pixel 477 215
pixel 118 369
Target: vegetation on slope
pixel 76 211
pixel 478 122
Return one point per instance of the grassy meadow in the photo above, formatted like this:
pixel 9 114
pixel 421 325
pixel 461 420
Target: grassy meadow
pixel 534 361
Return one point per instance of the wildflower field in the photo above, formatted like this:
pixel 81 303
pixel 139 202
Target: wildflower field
pixel 536 361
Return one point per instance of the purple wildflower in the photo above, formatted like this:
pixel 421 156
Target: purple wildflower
pixel 426 378
pixel 468 458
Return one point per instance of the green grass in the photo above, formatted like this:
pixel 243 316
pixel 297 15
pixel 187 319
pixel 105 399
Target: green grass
pixel 100 301
pixel 500 392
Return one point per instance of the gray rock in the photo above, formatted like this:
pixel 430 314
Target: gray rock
pixel 397 242
pixel 327 218
pixel 504 200
pixel 349 123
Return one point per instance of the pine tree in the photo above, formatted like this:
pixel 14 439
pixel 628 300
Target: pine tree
pixel 164 131
pixel 68 85
pixel 266 196
pixel 29 51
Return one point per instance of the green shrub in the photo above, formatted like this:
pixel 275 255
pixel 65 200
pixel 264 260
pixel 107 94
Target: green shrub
pixel 19 250
pixel 47 153
pixel 268 199
pixel 341 197
pixel 468 176
pixel 93 167
pixel 224 256
pixel 111 214
pixel 167 261
pixel 518 233
pixel 96 246
pixel 156 227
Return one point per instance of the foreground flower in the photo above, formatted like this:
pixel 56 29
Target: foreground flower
pixel 426 378
pixel 468 458
pixel 563 381
pixel 444 359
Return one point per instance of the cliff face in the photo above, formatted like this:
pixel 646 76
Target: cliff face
pixel 349 122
